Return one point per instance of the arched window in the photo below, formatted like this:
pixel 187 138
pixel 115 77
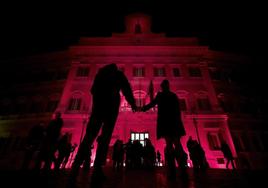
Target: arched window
pixel 138 29
pixel 183 99
pixel 75 102
pixel 140 97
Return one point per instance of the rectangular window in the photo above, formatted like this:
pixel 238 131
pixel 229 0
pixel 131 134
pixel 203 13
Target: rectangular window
pixel 237 142
pixel 82 71
pixel 139 72
pixel 213 141
pixel 194 72
pixel 141 136
pixel 159 72
pixel 203 104
pixel 74 104
pixel 176 72
pixel 220 160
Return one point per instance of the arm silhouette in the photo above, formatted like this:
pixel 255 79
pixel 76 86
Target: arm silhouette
pixel 127 91
pixel 151 104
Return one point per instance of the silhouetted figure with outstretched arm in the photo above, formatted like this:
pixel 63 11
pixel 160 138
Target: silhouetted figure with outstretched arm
pixel 105 91
pixel 169 126
pixel 227 153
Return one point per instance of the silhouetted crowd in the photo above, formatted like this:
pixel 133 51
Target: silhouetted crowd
pixel 134 155
pixel 45 146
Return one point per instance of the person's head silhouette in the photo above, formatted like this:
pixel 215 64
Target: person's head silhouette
pixel 165 85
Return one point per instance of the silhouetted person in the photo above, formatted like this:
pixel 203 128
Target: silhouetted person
pixel 33 143
pixel 193 152
pixel 169 126
pixel 106 101
pixel 51 139
pixel 227 153
pixel 87 161
pixel 149 155
pixel 129 154
pixel 158 157
pixel 64 150
pixel 197 154
pixel 74 146
pixel 118 154
pixel 137 154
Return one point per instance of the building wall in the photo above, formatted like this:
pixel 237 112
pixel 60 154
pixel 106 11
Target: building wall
pixel 213 108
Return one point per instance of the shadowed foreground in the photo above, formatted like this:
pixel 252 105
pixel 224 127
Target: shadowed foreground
pixel 136 179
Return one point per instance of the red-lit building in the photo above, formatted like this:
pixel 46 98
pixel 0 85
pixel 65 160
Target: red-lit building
pixel 210 100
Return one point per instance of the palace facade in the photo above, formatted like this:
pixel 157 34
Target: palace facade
pixel 213 106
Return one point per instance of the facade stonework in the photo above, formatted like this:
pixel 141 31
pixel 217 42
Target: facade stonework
pixel 61 81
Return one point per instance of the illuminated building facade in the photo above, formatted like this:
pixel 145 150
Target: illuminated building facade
pixel 210 101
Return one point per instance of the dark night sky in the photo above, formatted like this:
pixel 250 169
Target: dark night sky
pixel 35 28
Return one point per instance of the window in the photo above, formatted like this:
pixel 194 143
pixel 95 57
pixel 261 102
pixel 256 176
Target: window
pixel 137 29
pixel 176 72
pixel 51 105
pixel 237 143
pixel 140 102
pixel 203 104
pixel 139 72
pixel 159 72
pixel 195 72
pixel 82 71
pixel 183 106
pixel 215 74
pixel 74 104
pixel 213 141
pixel 141 136
pixel 220 160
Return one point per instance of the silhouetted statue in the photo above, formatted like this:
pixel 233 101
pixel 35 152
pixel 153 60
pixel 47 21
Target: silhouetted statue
pixel 227 153
pixel 169 126
pixel 49 146
pixel 33 143
pixel 106 101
